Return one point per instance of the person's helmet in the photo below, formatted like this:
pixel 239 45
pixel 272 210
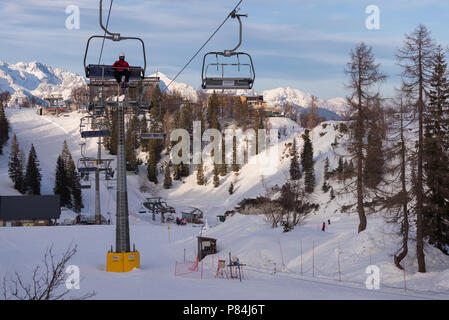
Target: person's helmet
pixel 121 55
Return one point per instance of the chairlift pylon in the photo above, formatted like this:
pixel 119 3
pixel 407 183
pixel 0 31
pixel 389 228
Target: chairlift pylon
pixel 223 82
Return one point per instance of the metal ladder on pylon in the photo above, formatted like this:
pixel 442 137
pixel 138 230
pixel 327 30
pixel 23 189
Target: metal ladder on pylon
pixel 122 227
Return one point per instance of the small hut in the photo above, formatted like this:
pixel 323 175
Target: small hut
pixel 206 246
pixel 193 216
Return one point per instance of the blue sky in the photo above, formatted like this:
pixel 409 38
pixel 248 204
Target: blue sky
pixel 303 44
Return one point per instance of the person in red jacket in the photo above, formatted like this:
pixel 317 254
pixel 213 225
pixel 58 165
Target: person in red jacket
pixel 121 68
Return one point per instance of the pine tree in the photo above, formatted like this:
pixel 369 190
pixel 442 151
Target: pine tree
pixel 308 163
pixel 223 166
pixel 77 195
pixel 416 58
pixel 216 176
pixel 73 181
pixel 340 169
pixel 61 183
pixel 258 125
pixel 33 175
pixel 398 203
pixel 231 188
pixel 167 178
pixel 187 118
pixel 16 166
pixel 242 111
pixel 177 172
pixel 295 171
pixel 235 166
pixel 144 129
pixel 212 112
pixel 313 116
pixel 4 128
pixel 152 168
pixel 374 165
pixel 363 73
pixel 435 157
pixel 200 174
pixel 185 170
pixel 65 154
pixel 326 169
pixel 325 187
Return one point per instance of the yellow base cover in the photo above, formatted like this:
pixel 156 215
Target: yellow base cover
pixel 122 262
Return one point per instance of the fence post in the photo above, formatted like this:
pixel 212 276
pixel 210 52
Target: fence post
pixel 405 283
pixel 301 257
pixel 313 258
pixel 184 255
pixel 339 268
pixel 201 270
pixel 176 266
pixel 282 254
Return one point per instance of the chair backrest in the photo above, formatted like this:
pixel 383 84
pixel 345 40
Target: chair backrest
pixel 105 72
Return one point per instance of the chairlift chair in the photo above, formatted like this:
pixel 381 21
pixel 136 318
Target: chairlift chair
pixel 101 77
pixel 86 165
pixel 84 178
pixel 223 82
pixel 94 127
pixel 106 72
pixel 111 184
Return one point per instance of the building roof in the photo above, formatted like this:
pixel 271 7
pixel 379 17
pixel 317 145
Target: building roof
pixel 29 207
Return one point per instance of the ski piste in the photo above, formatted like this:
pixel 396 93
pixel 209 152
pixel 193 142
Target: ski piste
pixel 163 230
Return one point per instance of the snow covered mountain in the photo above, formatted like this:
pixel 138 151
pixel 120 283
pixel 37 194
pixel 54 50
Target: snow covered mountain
pixel 297 98
pixel 183 89
pixel 39 80
pixel 36 79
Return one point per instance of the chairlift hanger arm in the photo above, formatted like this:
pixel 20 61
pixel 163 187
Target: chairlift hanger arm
pixel 234 15
pixel 115 36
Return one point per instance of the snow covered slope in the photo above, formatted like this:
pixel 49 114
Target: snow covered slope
pixel 302 264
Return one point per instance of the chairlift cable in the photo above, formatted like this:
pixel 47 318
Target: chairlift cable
pixel 107 24
pixel 202 47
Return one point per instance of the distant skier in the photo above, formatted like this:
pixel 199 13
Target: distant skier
pixel 121 68
pixel 328 221
pixel 324 227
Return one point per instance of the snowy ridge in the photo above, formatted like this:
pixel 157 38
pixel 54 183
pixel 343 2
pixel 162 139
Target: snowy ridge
pixel 40 80
pixel 37 80
pixel 298 98
pixel 183 89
